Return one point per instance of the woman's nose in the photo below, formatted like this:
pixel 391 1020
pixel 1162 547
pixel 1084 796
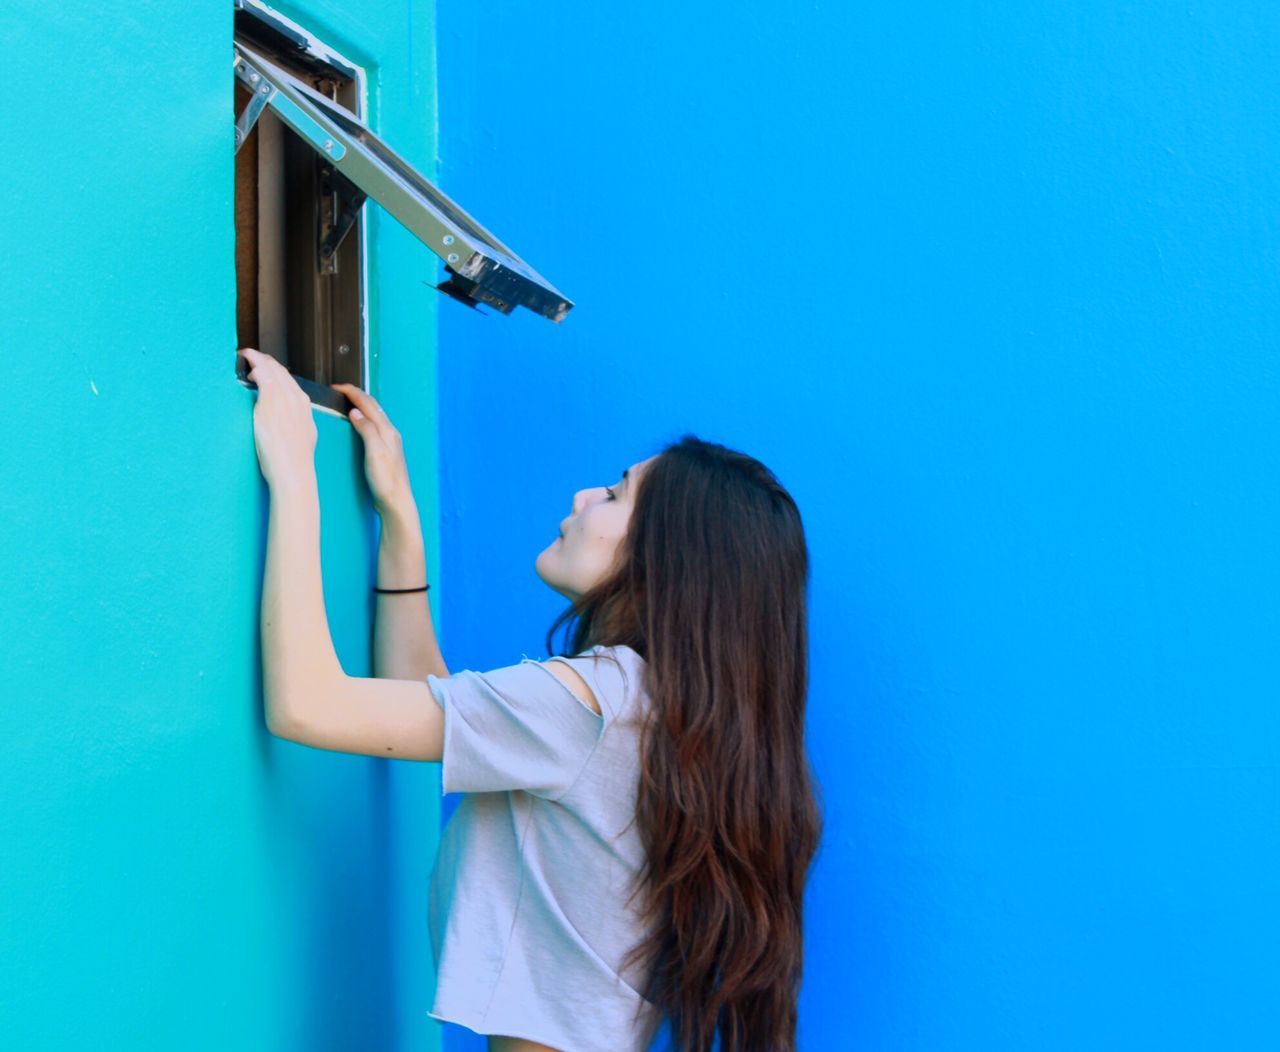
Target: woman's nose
pixel 580 498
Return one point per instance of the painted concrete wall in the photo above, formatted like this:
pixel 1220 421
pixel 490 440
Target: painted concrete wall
pixel 171 875
pixel 994 290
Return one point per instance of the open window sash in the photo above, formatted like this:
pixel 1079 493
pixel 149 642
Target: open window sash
pixel 482 268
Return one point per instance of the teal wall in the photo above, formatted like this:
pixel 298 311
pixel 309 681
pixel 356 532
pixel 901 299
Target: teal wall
pixel 171 875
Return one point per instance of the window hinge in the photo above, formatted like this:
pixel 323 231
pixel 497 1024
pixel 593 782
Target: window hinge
pixel 254 107
pixel 342 204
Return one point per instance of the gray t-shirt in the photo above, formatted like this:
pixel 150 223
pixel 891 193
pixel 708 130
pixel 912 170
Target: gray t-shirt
pixel 527 903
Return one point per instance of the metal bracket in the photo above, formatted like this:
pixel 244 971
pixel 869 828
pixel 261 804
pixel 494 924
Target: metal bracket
pixel 464 290
pixel 301 122
pixel 262 91
pixel 342 204
pixel 481 268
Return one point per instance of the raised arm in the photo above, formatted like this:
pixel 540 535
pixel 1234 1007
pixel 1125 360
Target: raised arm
pixel 404 636
pixel 308 697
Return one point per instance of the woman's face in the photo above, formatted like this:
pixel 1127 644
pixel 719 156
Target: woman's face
pixel 591 535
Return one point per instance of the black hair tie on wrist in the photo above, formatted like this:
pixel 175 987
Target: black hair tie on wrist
pixel 392 591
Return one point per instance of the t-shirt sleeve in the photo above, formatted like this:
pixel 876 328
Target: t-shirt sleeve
pixel 517 727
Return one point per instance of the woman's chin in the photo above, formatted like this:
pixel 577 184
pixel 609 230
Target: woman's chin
pixel 551 581
pixel 542 566
pixel 559 589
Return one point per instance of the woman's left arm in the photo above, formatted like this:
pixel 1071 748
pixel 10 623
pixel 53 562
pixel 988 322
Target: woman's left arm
pixel 298 657
pixel 299 661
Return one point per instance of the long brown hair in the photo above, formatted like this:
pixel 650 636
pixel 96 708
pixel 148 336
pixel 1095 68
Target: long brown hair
pixel 710 588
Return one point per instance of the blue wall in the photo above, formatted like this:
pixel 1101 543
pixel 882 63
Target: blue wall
pixel 993 289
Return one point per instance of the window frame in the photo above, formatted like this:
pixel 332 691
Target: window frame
pixel 309 313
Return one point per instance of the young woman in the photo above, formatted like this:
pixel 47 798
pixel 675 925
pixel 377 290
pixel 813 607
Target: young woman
pixel 639 816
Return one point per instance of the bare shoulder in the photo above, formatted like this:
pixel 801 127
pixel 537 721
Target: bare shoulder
pixel 568 675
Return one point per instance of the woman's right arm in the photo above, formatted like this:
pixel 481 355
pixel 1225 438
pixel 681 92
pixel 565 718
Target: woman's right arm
pixel 404 636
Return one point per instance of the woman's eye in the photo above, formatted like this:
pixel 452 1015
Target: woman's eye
pixel 610 492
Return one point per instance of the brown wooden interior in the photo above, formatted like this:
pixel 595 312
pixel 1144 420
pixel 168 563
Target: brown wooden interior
pixel 246 211
pixel 322 311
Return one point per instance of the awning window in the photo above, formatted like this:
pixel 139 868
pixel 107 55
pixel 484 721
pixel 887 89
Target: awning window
pixel 481 268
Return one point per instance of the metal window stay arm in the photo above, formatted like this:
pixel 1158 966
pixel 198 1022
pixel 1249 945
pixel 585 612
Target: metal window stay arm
pixel 482 269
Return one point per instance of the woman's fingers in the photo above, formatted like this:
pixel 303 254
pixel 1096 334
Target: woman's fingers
pixel 263 369
pixel 363 401
pixel 368 405
pixel 384 463
pixel 363 425
pixel 361 420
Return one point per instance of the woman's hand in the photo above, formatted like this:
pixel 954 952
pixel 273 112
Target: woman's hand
pixel 284 431
pixel 384 466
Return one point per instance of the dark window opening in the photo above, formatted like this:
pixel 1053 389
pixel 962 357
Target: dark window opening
pixel 304 308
